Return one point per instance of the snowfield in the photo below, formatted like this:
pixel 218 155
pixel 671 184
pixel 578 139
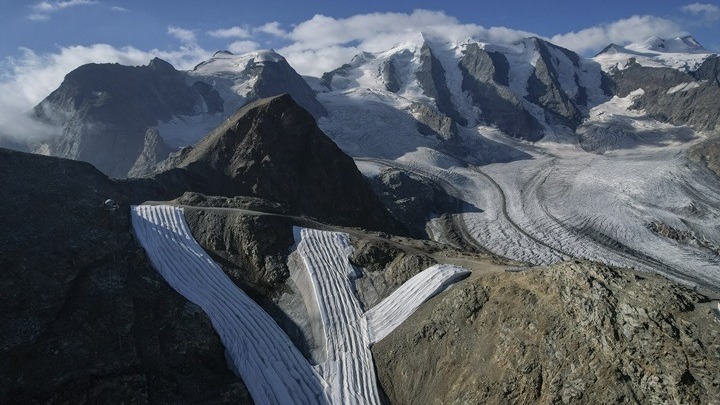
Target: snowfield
pixel 682 53
pixel 274 371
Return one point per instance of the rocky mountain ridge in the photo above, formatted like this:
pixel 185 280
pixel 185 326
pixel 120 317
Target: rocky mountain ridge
pixel 527 90
pixel 272 149
pixel 126 119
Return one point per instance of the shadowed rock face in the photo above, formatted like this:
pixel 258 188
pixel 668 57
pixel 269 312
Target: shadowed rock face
pixel 709 70
pixel 102 111
pixel 85 318
pixel 431 76
pixel 708 153
pixel 154 151
pixel 485 78
pixel 389 77
pixel 572 333
pixel 273 149
pixel 694 106
pixel 544 88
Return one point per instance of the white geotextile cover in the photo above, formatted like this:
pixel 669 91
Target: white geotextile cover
pixel 271 366
pixel 384 317
pixel 274 371
pixel 348 331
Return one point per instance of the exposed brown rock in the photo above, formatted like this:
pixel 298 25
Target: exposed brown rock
pixel 572 333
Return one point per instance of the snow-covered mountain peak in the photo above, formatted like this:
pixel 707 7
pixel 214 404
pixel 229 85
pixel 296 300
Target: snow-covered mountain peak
pixel 227 62
pixel 685 44
pixel 682 53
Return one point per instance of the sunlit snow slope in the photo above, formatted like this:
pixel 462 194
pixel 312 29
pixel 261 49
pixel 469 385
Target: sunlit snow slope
pixel 605 183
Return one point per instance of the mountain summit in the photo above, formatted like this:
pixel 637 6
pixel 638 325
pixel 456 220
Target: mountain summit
pixel 273 149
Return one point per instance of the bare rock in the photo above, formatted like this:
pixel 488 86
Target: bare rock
pixel 577 332
pixel 85 318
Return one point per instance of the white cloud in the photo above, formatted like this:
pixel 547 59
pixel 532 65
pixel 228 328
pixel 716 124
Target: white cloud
pixel 240 47
pixel 232 32
pixel 119 9
pixel 38 17
pixel 709 12
pixel 323 43
pixel 634 29
pixel 28 78
pixel 183 35
pixel 43 9
pixel 272 28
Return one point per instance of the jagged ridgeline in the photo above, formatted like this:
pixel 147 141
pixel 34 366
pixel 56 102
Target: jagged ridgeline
pixel 567 199
pixel 125 120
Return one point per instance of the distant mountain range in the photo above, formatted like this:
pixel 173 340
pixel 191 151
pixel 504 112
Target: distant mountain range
pixel 125 120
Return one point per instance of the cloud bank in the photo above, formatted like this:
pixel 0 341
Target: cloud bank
pixel 708 12
pixel 633 29
pixel 323 43
pixel 28 78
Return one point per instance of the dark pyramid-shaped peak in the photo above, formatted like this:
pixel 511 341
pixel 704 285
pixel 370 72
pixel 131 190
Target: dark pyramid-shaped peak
pixel 273 149
pixel 611 49
pixel 161 66
pixel 225 52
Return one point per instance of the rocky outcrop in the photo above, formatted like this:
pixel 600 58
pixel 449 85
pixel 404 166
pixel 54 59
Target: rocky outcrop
pixel 413 200
pixel 683 236
pixel 103 111
pixel 431 76
pixel 251 249
pixel 572 333
pixel 433 123
pixel 327 77
pixel 153 152
pixel 85 318
pixel 485 78
pixel 673 96
pixel 273 149
pixel 708 153
pixel 545 90
pixel 384 268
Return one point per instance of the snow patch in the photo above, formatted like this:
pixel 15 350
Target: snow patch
pixel 683 87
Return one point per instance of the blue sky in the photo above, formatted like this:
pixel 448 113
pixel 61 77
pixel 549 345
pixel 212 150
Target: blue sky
pixel 144 24
pixel 44 40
